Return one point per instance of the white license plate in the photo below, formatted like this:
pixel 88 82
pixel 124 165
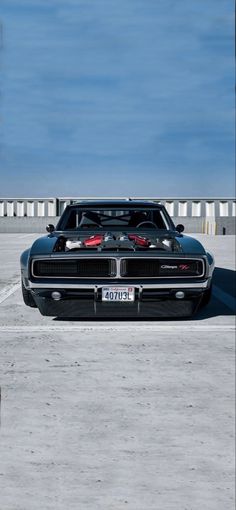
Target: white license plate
pixel 121 294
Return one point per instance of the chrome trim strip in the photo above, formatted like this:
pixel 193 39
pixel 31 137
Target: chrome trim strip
pixel 197 285
pixel 118 267
pixel 140 291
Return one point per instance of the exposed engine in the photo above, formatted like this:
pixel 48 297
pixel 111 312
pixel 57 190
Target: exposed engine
pixel 117 242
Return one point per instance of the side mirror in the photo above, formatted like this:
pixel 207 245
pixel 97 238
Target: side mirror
pixel 50 228
pixel 179 228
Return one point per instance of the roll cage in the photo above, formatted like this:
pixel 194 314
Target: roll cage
pixel 82 218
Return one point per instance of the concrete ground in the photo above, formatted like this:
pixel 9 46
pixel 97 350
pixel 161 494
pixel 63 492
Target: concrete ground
pixel 116 415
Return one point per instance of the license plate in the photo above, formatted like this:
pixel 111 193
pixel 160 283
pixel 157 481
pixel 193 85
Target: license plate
pixel 120 294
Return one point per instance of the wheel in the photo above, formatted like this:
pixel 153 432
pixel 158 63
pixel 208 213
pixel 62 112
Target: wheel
pixel 206 297
pixel 27 296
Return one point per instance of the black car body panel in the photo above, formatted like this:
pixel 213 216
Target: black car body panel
pixel 116 259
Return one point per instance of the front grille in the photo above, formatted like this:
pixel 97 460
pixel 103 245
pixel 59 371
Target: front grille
pixel 51 268
pixel 75 268
pixel 152 268
pixel 140 268
pixel 181 268
pixel 129 268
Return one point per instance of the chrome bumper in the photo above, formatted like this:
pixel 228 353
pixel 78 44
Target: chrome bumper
pixel 196 285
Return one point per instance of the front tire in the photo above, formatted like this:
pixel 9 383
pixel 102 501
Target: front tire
pixel 27 296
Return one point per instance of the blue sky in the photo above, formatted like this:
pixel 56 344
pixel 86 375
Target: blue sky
pixel 112 98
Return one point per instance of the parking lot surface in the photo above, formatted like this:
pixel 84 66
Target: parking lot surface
pixel 117 414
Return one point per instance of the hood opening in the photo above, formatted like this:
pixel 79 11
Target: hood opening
pixel 117 242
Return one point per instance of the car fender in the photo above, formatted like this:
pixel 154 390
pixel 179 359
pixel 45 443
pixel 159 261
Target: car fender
pixel 191 246
pixel 211 262
pixel 43 245
pixel 24 263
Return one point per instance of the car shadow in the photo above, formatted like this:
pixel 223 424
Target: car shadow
pixel 223 279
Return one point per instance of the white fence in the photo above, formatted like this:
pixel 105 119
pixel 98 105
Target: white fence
pixel 28 207
pixel 176 207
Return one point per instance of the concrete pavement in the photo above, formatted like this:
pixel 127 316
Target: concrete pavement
pixel 116 415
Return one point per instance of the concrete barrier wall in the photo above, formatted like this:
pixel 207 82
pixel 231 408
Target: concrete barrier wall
pixel 203 215
pixel 26 225
pixel 225 225
pixel 176 207
pixel 222 225
pixel 190 224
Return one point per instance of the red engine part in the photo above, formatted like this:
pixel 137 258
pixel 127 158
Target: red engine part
pixel 94 240
pixel 140 241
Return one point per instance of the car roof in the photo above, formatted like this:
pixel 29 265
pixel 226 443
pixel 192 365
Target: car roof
pixel 114 203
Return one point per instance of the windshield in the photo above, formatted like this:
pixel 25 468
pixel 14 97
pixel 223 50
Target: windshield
pixel 77 218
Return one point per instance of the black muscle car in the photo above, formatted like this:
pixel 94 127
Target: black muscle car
pixel 116 259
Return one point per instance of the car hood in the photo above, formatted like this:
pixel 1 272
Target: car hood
pixel 182 244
